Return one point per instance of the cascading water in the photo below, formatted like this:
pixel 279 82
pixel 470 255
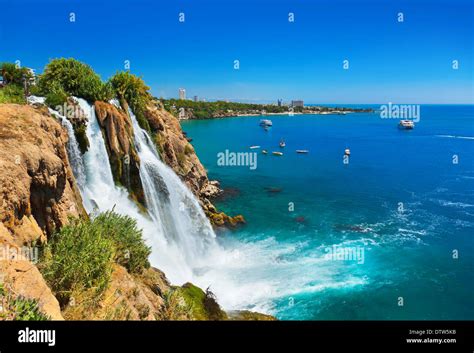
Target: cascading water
pixel 170 201
pixel 184 246
pixel 101 194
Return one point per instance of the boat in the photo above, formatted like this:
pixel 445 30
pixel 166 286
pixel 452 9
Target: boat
pixel 347 152
pixel 254 147
pixel 406 124
pixel 265 122
pixel 302 151
pixel 264 151
pixel 277 153
pixel 282 143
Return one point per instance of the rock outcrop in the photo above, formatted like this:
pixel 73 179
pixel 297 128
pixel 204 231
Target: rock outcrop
pixel 124 160
pixel 22 278
pixel 38 194
pixel 38 191
pixel 176 151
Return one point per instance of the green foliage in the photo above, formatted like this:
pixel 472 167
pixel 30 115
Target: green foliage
pixel 19 308
pixel 175 307
pixel 27 310
pixel 203 304
pixel 56 96
pixel 208 110
pixel 12 74
pixel 12 93
pixel 75 78
pixel 130 249
pixel 78 258
pixel 135 92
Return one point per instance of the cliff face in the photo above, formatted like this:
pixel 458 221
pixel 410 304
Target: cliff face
pixel 37 188
pixel 179 154
pixel 37 195
pixel 123 158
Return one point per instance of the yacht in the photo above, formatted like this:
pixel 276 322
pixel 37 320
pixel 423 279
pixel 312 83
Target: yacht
pixel 266 122
pixel 406 124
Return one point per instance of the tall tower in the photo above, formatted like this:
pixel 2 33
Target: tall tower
pixel 182 93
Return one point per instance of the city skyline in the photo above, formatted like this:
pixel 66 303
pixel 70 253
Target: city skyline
pixel 322 52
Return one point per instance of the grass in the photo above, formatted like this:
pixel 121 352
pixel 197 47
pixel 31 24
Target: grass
pixel 12 93
pixel 80 257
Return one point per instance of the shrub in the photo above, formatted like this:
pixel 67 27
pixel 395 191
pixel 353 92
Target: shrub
pixel 78 258
pixel 27 310
pixel 135 92
pixel 213 309
pixel 75 78
pixel 130 249
pixel 175 307
pixel 19 308
pixel 56 96
pixel 12 93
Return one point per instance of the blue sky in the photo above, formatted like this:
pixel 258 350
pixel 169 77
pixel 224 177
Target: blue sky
pixel 409 62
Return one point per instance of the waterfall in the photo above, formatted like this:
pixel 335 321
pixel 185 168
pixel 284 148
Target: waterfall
pixel 168 199
pixel 101 194
pixel 183 243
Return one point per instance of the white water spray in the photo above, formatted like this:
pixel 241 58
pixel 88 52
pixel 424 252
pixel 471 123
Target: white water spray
pixel 242 275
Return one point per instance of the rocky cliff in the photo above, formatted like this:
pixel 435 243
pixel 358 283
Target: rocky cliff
pixel 38 191
pixel 38 195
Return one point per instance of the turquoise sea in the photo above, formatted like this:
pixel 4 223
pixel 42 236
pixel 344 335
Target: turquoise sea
pixel 402 199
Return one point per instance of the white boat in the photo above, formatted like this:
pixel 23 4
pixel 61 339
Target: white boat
pixel 347 152
pixel 282 143
pixel 277 153
pixel 406 124
pixel 302 151
pixel 254 147
pixel 264 151
pixel 266 122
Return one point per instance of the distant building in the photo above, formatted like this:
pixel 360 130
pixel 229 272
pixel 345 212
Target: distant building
pixel 279 102
pixel 32 78
pixel 195 98
pixel 295 104
pixel 182 93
